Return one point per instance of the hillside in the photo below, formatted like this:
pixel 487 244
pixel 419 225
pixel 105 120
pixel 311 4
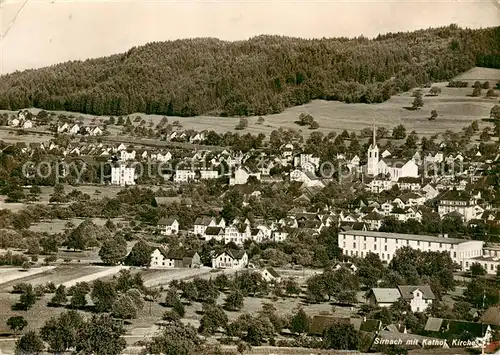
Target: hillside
pixel 263 75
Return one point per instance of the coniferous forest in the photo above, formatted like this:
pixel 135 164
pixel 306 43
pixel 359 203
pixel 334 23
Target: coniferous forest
pixel 259 76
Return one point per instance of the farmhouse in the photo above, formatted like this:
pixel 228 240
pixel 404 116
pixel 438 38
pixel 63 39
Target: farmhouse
pixel 419 297
pixel 160 258
pixel 230 259
pixel 270 275
pixel 168 226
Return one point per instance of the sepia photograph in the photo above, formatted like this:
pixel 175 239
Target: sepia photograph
pixel 249 177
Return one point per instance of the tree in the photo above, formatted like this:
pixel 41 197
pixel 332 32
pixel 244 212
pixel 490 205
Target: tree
pixel 242 124
pixel 477 269
pixel 140 255
pixel 124 308
pixel 27 298
pixel 485 135
pixel 101 335
pixel 78 298
pixel 418 101
pixel 341 336
pixel 314 125
pixel 491 93
pixel 113 251
pixel 30 343
pixel 61 332
pixel 291 287
pixel 103 295
pixel 234 301
pixel 16 324
pixel 178 307
pixel 300 322
pixel 399 132
pixel 59 297
pixel 495 112
pixel 213 318
pixel 477 89
pixel 434 115
pixel 178 339
pixel 434 91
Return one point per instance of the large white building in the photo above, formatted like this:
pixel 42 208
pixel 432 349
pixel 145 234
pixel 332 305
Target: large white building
pixel 394 168
pixel 360 243
pixel 122 175
pixel 461 202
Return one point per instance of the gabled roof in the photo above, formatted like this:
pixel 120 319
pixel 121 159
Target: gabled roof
pixel 214 231
pixel 491 316
pixel 203 220
pixel 385 295
pixel 407 292
pixel 166 221
pixel 272 272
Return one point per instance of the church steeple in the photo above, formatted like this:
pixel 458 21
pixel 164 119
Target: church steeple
pixel 372 166
pixel 374 142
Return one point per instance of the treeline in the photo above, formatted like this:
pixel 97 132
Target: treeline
pixel 259 76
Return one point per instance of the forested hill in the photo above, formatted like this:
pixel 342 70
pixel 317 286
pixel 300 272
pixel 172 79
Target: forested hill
pixel 259 76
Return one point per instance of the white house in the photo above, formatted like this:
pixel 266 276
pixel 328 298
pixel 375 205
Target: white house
pixel 230 259
pixel 74 129
pixel 270 275
pixel 418 297
pixel 168 226
pixel 306 177
pixel 184 175
pixel 241 176
pixel 208 174
pixel 461 202
pixel 127 154
pixel 122 175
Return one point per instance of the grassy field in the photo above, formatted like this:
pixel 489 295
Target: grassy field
pixel 455 106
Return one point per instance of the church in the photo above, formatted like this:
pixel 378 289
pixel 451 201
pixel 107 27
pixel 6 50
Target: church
pixel 394 168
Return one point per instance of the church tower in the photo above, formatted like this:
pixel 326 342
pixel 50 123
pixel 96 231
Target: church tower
pixel 373 152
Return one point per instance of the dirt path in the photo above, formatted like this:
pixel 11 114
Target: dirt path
pixel 8 275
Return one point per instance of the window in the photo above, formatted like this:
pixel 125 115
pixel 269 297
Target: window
pixel 418 242
pixel 397 241
pixel 407 242
pixel 375 247
pixel 364 246
pixel 385 239
pixel 454 254
pixel 385 248
pixel 440 245
pixel 364 238
pixel 375 238
pixel 354 245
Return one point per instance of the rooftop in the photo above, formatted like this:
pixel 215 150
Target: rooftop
pixel 423 238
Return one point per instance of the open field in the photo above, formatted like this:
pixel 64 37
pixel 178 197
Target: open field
pixel 455 106
pixel 61 274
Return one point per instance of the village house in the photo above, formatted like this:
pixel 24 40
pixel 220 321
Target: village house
pixel 461 202
pixel 123 175
pixel 203 222
pixel 230 259
pixel 127 154
pixel 242 174
pixel 270 275
pixel 418 297
pixel 183 175
pixel 168 226
pixel 160 258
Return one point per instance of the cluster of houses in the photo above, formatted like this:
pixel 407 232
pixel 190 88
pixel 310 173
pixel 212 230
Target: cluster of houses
pixel 76 128
pixel 22 120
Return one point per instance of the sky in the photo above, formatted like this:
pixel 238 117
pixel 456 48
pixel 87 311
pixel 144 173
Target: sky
pixel 37 33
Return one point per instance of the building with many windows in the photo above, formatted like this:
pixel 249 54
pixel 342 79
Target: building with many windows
pixel 359 243
pixel 122 175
